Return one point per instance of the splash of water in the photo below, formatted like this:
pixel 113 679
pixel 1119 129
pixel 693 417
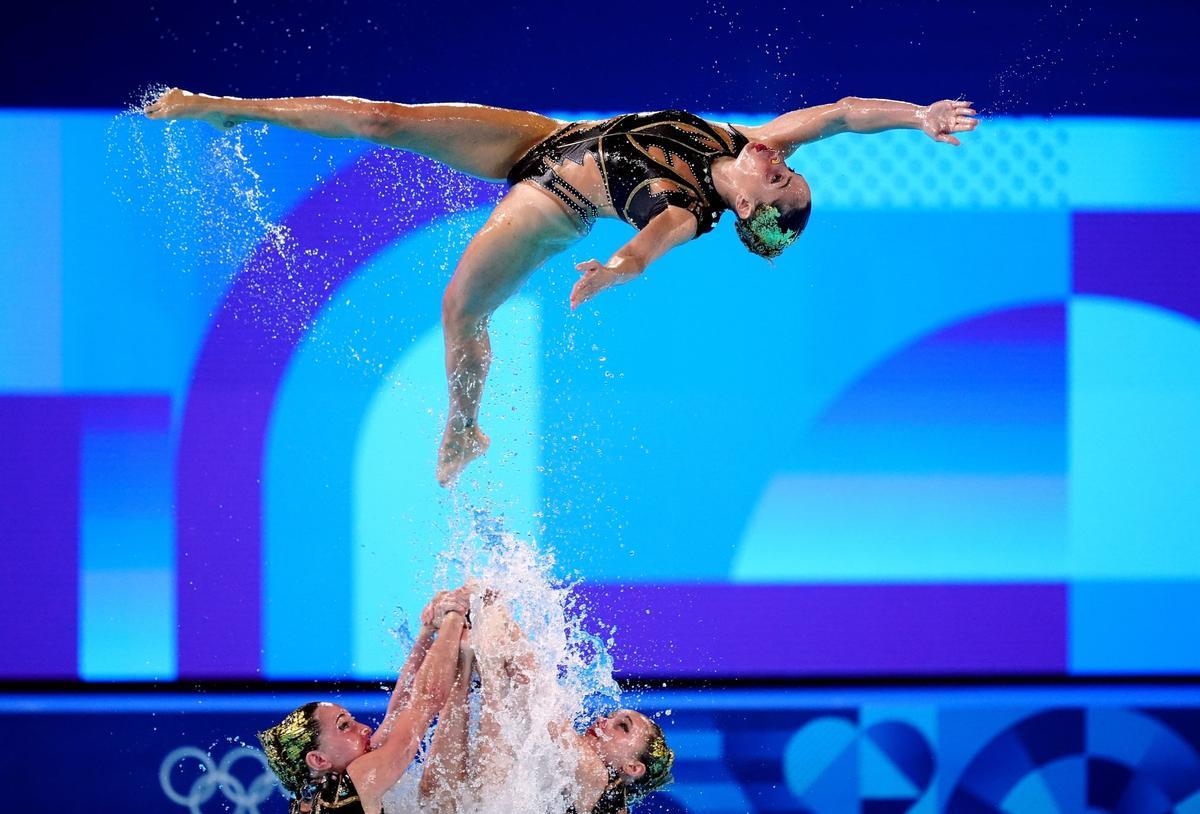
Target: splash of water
pixel 198 186
pixel 565 675
pixel 207 197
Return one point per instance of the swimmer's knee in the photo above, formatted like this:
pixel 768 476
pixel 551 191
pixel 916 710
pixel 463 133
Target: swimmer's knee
pixel 452 307
pixel 458 316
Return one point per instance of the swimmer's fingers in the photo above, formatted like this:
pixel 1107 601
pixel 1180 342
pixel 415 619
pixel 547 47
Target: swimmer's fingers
pixel 443 602
pixel 590 284
pixel 434 610
pixel 453 602
pixel 595 279
pixel 946 138
pixel 587 288
pixel 428 611
pixel 466 590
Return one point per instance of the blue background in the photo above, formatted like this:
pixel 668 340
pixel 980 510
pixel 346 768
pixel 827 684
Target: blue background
pixel 932 388
pixel 977 373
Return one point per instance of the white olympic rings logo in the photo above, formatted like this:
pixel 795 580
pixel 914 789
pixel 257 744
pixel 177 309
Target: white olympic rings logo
pixel 214 776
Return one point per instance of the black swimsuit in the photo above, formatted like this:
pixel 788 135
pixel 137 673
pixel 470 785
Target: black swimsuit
pixel 648 161
pixel 611 801
pixel 335 792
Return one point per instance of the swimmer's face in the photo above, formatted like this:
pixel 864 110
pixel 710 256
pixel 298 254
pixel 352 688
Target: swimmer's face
pixel 761 177
pixel 341 739
pixel 620 739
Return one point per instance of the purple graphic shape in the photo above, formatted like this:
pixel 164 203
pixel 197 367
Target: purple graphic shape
pixel 1044 323
pixel 269 307
pixel 1151 257
pixel 746 631
pixel 984 395
pixel 1006 367
pixel 39 525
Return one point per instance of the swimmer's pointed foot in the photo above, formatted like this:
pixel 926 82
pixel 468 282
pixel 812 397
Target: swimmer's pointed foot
pixel 177 104
pixel 164 104
pixel 459 448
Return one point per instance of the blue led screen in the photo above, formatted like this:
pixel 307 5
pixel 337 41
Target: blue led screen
pixel 952 431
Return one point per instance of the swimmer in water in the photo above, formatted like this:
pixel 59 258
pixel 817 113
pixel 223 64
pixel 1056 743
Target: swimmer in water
pixel 669 174
pixel 328 761
pixel 617 760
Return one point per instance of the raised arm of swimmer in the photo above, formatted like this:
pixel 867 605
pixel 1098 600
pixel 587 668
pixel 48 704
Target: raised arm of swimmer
pixel 378 770
pixel 852 114
pixel 431 619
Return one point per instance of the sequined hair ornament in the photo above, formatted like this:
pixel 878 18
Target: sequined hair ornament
pixel 287 744
pixel 658 759
pixel 767 232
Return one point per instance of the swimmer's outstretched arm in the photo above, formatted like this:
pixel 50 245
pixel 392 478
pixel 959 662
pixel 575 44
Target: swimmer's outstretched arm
pixel 668 229
pixel 940 121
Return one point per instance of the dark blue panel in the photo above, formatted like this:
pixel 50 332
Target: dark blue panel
pixel 1024 56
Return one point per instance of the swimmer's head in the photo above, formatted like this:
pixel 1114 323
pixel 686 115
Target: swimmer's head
pixel 315 739
pixel 288 744
pixel 768 231
pixel 772 201
pixel 658 758
pixel 635 750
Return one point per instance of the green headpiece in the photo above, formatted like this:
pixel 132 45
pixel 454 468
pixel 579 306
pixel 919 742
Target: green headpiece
pixel 287 744
pixel 658 759
pixel 767 232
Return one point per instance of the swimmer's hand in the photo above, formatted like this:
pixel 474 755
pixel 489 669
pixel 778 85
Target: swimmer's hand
pixel 443 603
pixel 176 104
pixel 941 120
pixel 597 277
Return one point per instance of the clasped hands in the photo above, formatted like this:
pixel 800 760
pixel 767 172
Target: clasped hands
pixel 443 603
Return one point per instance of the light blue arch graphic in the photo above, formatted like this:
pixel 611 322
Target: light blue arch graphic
pixel 405 524
pixel 945 462
pixel 722 373
pixel 1135 441
pixel 351 452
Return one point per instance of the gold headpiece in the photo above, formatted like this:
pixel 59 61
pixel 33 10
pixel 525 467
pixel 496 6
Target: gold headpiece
pixel 287 743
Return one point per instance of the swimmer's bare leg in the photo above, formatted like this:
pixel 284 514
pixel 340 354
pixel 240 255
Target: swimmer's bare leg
pixel 478 140
pixel 506 663
pixel 526 228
